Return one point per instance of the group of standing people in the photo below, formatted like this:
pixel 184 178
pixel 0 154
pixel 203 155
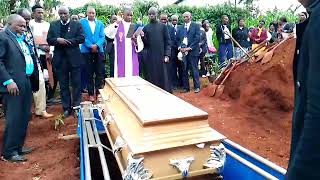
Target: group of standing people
pixel 250 37
pixel 151 51
pixel 161 52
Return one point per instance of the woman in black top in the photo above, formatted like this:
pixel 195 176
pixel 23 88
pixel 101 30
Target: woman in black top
pixel 241 35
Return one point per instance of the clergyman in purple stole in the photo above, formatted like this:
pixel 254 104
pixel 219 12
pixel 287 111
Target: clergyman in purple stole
pixel 121 55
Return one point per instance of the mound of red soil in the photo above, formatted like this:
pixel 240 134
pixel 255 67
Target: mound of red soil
pixel 264 88
pixel 255 109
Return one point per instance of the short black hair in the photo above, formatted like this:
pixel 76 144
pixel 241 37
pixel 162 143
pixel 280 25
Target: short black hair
pixel 283 19
pixel 240 18
pixel 262 20
pixel 36 7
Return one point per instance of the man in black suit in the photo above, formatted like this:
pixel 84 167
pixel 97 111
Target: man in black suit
pixel 172 69
pixel 110 47
pixel 177 65
pixel 65 36
pixel 19 78
pixel 188 39
pixel 305 145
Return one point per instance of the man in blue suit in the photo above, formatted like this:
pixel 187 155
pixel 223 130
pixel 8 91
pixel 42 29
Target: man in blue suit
pixel 188 38
pixel 93 51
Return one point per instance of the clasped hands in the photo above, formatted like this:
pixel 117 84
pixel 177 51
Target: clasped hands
pixel 183 50
pixel 63 41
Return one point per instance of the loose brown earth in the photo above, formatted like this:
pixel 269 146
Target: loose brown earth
pixel 256 108
pixel 52 159
pixel 254 111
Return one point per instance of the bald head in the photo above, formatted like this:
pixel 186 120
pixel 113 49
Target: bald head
pixel 113 19
pixel 26 14
pixel 187 17
pixel 174 19
pixel 64 13
pixel 152 13
pixel 16 24
pixel 91 13
pixel 75 17
pixel 164 18
pixel 225 19
pixel 127 14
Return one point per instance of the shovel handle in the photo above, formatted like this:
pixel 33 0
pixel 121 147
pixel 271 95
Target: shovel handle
pixel 228 74
pixel 258 47
pixel 237 44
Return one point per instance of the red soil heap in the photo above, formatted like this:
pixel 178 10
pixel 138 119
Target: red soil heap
pixel 264 88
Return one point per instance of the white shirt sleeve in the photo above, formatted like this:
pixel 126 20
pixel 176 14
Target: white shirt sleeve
pixel 111 30
pixel 269 36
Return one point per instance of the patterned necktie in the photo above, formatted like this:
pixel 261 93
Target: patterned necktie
pixel 185 30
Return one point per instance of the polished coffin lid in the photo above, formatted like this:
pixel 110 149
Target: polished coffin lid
pixel 153 105
pixel 150 119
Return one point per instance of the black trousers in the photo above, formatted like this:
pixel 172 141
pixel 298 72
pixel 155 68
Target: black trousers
pixel 94 65
pixel 191 62
pixel 173 68
pixel 64 72
pixel 49 90
pixel 17 111
pixel 111 61
pixel 203 70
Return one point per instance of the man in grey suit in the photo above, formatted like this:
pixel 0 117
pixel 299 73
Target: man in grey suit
pixel 18 78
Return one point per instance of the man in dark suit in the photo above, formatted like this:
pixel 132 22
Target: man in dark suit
pixel 305 145
pixel 65 36
pixel 188 39
pixel 172 69
pixel 110 47
pixel 19 78
pixel 177 65
pixel 225 42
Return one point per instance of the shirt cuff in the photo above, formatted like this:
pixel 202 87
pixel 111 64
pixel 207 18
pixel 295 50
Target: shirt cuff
pixel 8 82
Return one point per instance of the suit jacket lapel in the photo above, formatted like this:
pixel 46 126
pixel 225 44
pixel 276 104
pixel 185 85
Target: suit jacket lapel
pixel 13 38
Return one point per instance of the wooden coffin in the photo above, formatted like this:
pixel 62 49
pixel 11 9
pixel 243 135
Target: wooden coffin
pixel 156 125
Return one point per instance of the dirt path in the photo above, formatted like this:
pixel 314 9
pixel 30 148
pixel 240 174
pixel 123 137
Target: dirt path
pixel 259 134
pixel 52 158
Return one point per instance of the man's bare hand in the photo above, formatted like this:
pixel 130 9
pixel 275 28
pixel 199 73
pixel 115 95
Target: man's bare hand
pixel 183 50
pixel 166 59
pixel 94 48
pixel 44 48
pixel 142 34
pixel 63 41
pixel 13 89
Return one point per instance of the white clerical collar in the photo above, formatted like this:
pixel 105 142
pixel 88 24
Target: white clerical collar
pixel 65 23
pixel 125 22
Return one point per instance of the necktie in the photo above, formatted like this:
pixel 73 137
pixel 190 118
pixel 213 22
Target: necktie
pixel 185 30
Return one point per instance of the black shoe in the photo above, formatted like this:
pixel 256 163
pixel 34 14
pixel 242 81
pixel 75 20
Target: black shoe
pixel 66 113
pixel 185 91
pixel 197 90
pixel 15 158
pixel 25 151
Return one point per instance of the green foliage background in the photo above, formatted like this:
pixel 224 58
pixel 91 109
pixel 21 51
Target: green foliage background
pixel 211 13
